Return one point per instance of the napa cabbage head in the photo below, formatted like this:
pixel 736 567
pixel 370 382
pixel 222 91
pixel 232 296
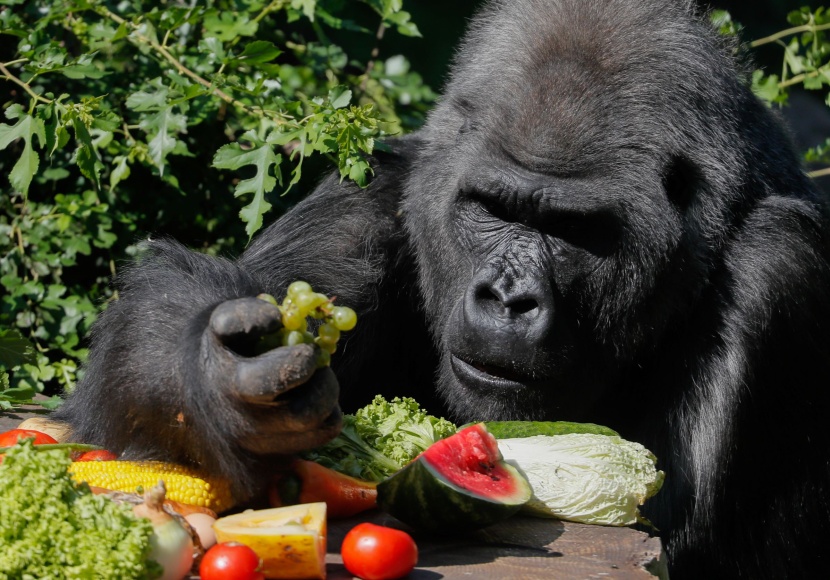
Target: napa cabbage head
pixel 588 478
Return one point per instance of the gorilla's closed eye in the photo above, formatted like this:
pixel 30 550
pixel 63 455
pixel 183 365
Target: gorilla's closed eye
pixel 595 231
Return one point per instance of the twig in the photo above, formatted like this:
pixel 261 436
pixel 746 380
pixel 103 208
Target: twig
pixel 275 5
pixel 799 78
pixel 788 32
pixel 10 77
pixel 373 56
pixel 819 173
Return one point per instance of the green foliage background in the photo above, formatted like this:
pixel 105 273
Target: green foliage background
pixel 195 119
pixel 203 118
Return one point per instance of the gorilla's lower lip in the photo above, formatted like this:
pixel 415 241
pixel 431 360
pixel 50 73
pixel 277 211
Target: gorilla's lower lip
pixel 480 375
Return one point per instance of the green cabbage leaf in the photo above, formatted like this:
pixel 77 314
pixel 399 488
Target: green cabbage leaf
pixel 380 438
pixel 588 478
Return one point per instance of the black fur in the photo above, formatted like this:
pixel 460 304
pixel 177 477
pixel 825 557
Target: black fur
pixel 599 222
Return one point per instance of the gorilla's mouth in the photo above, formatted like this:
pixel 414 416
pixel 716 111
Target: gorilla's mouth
pixel 479 374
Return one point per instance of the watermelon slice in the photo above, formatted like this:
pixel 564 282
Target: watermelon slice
pixel 459 483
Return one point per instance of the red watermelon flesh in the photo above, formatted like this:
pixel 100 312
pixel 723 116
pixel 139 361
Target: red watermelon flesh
pixel 471 460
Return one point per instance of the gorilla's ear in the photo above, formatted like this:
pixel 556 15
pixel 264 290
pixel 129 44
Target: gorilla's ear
pixel 681 179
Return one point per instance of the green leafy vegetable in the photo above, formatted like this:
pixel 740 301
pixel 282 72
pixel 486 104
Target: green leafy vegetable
pixel 52 528
pixel 516 429
pixel 582 477
pixel 381 438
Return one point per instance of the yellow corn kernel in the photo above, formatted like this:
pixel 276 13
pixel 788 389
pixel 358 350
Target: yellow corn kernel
pixel 183 484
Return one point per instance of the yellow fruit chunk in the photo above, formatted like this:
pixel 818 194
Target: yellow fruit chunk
pixel 290 540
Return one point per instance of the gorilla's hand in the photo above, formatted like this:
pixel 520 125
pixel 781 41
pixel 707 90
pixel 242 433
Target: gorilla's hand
pixel 286 403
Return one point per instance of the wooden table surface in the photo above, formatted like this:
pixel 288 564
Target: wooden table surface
pixel 520 548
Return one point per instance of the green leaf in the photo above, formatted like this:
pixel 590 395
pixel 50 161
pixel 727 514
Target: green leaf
pixel 723 23
pixel 813 83
pixel 765 87
pixel 162 127
pixel 262 157
pixel 359 171
pixel 259 51
pixel 15 349
pixel 213 47
pixel 227 25
pixel 85 155
pixel 20 394
pixel 144 101
pixel 340 97
pixel 403 23
pixel 307 6
pixel 26 166
pixel 120 171
pixel 83 69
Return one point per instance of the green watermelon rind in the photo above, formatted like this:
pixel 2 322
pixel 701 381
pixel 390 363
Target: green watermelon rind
pixel 419 496
pixel 519 429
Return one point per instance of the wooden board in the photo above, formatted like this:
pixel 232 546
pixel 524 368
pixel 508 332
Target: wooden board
pixel 521 548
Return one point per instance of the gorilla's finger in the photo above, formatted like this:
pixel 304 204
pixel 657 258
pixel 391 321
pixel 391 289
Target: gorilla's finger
pixel 261 379
pixel 310 418
pixel 244 317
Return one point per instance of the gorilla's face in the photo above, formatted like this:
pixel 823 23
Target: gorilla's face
pixel 548 214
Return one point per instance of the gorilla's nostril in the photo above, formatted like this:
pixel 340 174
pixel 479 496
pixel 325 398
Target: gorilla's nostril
pixel 523 306
pixel 485 293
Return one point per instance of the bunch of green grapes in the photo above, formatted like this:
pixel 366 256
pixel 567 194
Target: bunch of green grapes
pixel 301 303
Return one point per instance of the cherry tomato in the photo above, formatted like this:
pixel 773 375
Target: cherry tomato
pixel 97 455
pixel 375 552
pixel 230 561
pixel 10 438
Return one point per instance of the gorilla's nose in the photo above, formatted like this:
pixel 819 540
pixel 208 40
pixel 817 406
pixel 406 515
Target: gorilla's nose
pixel 504 302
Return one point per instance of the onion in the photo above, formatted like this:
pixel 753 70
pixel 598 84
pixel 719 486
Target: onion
pixel 170 545
pixel 202 524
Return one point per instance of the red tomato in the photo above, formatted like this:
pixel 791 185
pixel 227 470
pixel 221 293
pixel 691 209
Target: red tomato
pixel 97 455
pixel 10 438
pixel 375 552
pixel 230 561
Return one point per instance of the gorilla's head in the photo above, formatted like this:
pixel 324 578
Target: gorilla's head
pixel 580 177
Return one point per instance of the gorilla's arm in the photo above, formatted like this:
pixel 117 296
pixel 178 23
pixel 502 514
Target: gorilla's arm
pixel 745 387
pixel 171 372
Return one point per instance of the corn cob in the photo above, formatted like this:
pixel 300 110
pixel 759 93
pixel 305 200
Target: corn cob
pixel 184 485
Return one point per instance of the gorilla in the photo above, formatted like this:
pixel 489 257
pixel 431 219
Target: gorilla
pixel 598 222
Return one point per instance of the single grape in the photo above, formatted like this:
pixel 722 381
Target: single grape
pixel 268 298
pixel 293 338
pixel 292 319
pixel 344 317
pixel 305 301
pixel 329 347
pixel 298 287
pixel 328 333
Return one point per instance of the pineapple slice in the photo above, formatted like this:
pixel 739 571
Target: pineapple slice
pixel 291 540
